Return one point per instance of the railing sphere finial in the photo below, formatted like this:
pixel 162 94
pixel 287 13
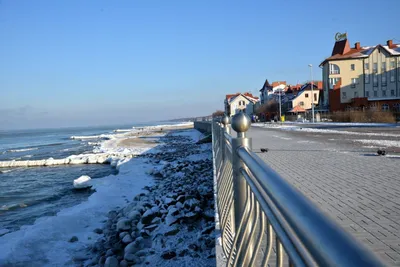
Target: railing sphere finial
pixel 225 120
pixel 241 122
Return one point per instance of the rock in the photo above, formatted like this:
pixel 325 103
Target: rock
pixel 208 230
pixel 73 239
pixel 98 231
pixel 102 260
pixel 169 220
pixel 179 205
pixel 183 252
pixel 134 215
pixel 80 257
pixel 123 234
pixel 191 203
pixel 136 245
pixel 169 201
pixel 144 233
pixel 171 231
pixel 142 253
pixel 131 258
pixel 123 225
pixel 111 262
pixel 109 252
pixel 169 254
pixel 209 215
pixel 148 216
pixel 173 211
pixel 127 239
pixel 151 227
pixel 190 217
pixel 123 263
pixel 155 209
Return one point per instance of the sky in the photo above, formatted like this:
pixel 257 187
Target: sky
pixel 94 62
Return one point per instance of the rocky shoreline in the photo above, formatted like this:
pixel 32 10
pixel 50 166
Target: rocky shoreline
pixel 171 223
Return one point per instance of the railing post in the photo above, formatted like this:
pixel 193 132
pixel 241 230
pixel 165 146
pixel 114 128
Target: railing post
pixel 240 123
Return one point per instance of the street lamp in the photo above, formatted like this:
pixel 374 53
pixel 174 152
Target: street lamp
pixel 312 92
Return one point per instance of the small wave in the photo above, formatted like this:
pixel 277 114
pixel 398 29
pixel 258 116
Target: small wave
pixel 102 136
pixel 22 149
pixel 6 171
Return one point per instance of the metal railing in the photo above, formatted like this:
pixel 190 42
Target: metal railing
pixel 264 220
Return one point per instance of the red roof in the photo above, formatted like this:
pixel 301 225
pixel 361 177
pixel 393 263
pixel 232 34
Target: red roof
pixel 274 84
pixel 297 109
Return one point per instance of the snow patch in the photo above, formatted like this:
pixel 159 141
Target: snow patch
pixel 82 182
pixel 383 143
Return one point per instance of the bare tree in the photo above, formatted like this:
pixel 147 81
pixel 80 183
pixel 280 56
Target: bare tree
pixel 271 106
pixel 218 113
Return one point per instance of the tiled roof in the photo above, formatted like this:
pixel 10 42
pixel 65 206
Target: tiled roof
pixel 342 50
pixel 297 109
pixel 274 84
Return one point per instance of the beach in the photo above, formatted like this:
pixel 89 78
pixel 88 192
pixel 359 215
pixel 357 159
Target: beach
pixel 142 157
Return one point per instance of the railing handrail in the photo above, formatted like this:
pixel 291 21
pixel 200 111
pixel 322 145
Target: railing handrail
pixel 324 240
pixel 309 237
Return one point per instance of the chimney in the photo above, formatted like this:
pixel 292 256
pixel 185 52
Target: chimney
pixel 389 43
pixel 357 46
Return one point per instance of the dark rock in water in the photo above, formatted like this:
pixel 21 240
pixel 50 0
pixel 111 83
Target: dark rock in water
pixel 169 254
pixel 102 260
pixel 98 231
pixel 151 227
pixel 144 233
pixel 194 247
pixel 109 252
pixel 80 257
pixel 73 239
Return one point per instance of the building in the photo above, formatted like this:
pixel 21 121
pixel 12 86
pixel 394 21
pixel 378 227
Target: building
pixel 245 102
pixel 361 77
pixel 265 91
pixel 305 98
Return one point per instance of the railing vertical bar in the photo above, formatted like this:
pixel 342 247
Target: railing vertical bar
pixel 279 252
pixel 268 249
pixel 260 235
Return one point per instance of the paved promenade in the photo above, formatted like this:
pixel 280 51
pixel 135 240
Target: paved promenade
pixel 348 182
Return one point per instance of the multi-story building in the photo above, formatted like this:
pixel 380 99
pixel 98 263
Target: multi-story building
pixel 237 102
pixel 362 76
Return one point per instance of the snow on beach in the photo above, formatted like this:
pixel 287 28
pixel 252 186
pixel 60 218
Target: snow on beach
pixel 62 239
pixel 300 128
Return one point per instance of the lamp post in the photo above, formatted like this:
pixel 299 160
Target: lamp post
pixel 280 106
pixel 312 92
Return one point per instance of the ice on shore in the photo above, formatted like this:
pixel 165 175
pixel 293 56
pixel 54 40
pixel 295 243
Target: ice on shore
pixel 82 182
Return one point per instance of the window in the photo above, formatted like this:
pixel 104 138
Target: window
pixel 375 93
pixel 333 82
pixel 375 68
pixel 396 107
pixel 354 81
pixel 385 107
pixel 375 81
pixel 355 94
pixel 383 92
pixel 315 97
pixel 367 93
pixel 306 95
pixel 384 82
pixel 392 92
pixel 366 66
pixel 366 78
pixel 383 66
pixel 334 69
pixel 392 79
pixel 241 103
pixel 353 67
pixel 301 103
pixel 392 64
pixel 344 95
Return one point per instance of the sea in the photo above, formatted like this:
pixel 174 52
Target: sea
pixel 27 194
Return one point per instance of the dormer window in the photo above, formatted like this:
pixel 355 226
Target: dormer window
pixel 241 103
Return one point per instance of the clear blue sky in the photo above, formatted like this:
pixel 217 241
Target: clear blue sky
pixel 71 63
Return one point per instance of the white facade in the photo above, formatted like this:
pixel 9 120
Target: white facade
pixel 241 102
